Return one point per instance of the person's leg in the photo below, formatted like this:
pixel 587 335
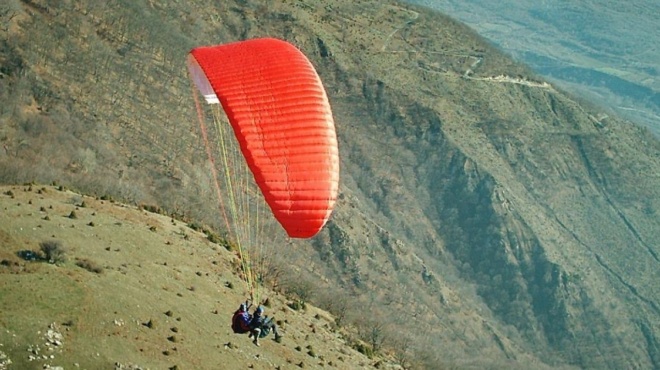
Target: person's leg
pixel 255 334
pixel 278 336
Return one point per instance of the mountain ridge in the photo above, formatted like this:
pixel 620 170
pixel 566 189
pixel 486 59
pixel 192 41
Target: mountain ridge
pixel 589 48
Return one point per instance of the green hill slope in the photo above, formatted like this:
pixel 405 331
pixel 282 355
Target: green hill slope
pixel 136 289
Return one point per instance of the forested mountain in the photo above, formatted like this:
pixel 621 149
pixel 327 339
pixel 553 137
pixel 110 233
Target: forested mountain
pixel 486 218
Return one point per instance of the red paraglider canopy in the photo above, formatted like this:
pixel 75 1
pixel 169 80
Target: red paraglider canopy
pixel 281 117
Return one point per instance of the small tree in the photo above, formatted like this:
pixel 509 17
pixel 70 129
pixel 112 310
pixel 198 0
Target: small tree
pixel 376 336
pixel 300 287
pixel 336 302
pixel 53 250
pixel 372 331
pixel 402 346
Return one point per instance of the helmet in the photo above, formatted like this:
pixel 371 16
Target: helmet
pixel 243 307
pixel 259 310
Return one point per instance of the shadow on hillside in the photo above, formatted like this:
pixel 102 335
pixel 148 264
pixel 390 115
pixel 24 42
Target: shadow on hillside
pixel 29 255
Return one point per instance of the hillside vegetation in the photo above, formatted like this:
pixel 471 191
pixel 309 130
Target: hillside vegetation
pixel 485 219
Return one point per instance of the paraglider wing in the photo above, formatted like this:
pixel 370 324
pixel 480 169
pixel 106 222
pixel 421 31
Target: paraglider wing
pixel 281 117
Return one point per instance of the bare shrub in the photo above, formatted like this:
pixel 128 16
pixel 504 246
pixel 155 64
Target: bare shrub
pixel 53 250
pixel 297 305
pixel 85 160
pixel 273 269
pixel 363 349
pixel 215 239
pixel 195 226
pixel 300 287
pixel 373 332
pixel 89 265
pixel 336 302
pixel 401 345
pixel 152 208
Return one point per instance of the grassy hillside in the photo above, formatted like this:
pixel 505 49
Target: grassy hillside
pixel 482 210
pixel 137 289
